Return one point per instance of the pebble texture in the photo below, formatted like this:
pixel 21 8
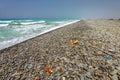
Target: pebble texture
pixel 54 56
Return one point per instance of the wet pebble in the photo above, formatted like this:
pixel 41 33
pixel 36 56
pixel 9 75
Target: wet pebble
pixel 114 77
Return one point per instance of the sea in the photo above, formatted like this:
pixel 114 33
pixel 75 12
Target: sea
pixel 13 31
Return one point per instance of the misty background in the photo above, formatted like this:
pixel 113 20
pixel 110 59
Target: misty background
pixel 59 9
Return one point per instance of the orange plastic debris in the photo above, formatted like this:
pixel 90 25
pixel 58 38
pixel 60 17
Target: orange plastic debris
pixel 48 69
pixel 75 42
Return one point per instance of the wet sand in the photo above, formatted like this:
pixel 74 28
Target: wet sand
pixel 55 55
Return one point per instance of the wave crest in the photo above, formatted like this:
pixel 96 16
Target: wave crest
pixel 30 23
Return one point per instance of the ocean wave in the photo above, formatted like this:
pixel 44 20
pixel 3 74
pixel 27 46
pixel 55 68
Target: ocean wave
pixel 30 23
pixel 62 22
pixel 5 21
pixel 25 29
pixel 25 22
pixel 2 25
pixel 59 22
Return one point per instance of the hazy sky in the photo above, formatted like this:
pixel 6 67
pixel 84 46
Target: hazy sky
pixel 59 8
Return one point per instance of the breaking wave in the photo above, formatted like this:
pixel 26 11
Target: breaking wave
pixel 16 31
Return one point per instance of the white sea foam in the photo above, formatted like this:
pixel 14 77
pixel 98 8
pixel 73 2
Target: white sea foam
pixel 62 22
pixel 24 27
pixel 54 28
pixel 5 21
pixel 29 29
pixel 29 23
pixel 8 43
pixel 2 25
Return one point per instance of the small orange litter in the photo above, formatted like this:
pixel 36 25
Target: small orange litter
pixel 48 69
pixel 75 42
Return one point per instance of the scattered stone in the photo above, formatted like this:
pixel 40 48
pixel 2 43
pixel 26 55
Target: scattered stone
pixel 112 49
pixel 110 61
pixel 82 77
pixel 88 74
pixel 114 72
pixel 16 74
pixel 94 55
pixel 118 68
pixel 118 55
pixel 115 77
pixel 30 66
pixel 63 78
pixel 107 78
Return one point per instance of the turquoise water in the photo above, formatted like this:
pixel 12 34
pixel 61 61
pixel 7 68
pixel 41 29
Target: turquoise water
pixel 15 30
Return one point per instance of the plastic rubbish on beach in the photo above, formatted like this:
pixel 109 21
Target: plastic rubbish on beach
pixel 108 57
pixel 74 42
pixel 48 69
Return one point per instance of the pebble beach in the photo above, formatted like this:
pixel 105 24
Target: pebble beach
pixel 85 50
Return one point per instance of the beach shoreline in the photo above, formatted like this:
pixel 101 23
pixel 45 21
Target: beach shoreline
pixel 27 37
pixel 86 49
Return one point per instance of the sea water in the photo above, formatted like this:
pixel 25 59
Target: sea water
pixel 13 31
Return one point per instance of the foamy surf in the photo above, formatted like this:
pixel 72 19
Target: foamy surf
pixel 2 25
pixel 36 30
pixel 29 23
